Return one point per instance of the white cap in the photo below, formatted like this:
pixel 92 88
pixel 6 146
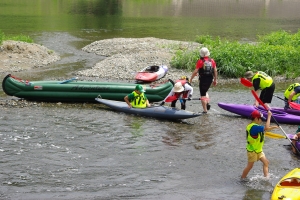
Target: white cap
pixel 204 52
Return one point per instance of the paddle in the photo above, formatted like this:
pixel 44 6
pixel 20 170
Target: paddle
pixel 246 82
pixel 265 107
pixel 173 98
pixel 69 80
pixel 274 135
pixel 293 105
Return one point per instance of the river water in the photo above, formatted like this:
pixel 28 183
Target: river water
pixel 87 151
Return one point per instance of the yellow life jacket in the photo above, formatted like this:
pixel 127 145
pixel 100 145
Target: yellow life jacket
pixel 290 89
pixel 254 144
pixel 265 79
pixel 139 100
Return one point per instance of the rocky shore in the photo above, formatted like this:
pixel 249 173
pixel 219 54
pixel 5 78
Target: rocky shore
pixel 18 56
pixel 123 58
pixel 126 56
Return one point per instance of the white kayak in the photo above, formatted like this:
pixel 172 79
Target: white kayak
pixel 151 73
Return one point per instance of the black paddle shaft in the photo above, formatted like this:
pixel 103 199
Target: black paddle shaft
pixel 279 97
pixel 285 134
pixel 261 103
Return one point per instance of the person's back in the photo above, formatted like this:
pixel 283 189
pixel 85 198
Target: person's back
pixel 262 81
pixel 292 94
pixel 207 70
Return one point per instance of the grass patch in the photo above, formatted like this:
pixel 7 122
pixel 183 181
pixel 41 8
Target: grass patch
pixel 276 54
pixel 21 37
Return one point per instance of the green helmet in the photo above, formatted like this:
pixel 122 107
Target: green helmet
pixel 139 88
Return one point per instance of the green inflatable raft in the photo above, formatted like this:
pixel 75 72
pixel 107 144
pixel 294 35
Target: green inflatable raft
pixel 78 91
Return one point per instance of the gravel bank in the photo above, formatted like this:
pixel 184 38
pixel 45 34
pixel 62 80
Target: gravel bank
pixel 17 56
pixel 126 56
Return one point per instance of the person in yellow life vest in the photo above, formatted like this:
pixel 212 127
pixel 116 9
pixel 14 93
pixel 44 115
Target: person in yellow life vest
pixel 255 135
pixel 137 99
pixel 262 81
pixel 291 94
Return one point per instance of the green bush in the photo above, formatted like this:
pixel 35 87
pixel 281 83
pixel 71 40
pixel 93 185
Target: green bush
pixel 275 54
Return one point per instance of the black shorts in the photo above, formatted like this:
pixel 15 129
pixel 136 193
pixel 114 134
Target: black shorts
pixel 266 94
pixel 204 84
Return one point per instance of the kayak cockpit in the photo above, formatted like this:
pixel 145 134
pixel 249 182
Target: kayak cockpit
pixel 294 182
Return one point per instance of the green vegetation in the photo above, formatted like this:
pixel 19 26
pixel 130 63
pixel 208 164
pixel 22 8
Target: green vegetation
pixel 276 54
pixel 22 38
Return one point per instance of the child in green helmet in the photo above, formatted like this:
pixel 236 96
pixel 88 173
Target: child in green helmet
pixel 137 99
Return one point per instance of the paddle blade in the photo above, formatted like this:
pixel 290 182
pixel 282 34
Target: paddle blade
pixel 274 135
pixel 294 105
pixel 258 99
pixel 170 99
pixel 69 80
pixel 246 83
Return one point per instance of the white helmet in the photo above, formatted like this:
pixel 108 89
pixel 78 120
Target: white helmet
pixel 204 52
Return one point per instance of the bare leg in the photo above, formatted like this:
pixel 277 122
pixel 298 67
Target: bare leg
pixel 204 102
pixel 207 105
pixel 268 106
pixel 295 138
pixel 247 169
pixel 265 162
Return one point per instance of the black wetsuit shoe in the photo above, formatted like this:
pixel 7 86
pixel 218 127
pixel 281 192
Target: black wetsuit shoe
pixel 207 106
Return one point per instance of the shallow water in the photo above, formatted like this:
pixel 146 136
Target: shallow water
pixel 91 152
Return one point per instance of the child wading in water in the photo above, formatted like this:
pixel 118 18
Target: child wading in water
pixel 255 135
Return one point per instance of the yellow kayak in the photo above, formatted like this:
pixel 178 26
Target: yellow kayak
pixel 288 188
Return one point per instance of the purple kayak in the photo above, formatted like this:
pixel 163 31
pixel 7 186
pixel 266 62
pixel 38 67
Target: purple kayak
pixel 245 110
pixel 290 111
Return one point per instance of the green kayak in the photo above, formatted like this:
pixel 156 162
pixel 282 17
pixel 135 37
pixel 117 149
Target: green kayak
pixel 78 91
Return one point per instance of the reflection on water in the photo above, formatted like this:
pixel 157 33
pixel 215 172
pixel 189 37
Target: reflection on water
pixel 176 19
